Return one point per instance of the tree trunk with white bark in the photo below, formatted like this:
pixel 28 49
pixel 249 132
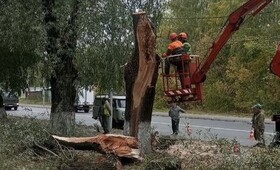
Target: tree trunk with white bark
pixel 61 46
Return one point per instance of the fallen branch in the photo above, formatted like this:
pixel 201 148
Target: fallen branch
pixel 119 145
pixel 45 149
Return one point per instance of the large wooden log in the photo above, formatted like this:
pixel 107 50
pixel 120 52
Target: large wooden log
pixel 141 74
pixel 119 145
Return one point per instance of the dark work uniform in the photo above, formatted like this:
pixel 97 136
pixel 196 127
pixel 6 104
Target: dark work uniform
pixel 104 117
pixel 175 47
pixel 174 113
pixel 258 125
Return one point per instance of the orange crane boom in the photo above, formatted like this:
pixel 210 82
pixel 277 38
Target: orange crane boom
pixel 235 20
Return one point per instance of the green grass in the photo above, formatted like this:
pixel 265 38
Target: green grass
pixel 21 139
pixel 33 102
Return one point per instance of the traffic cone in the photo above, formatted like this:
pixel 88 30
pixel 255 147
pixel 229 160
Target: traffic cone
pixel 251 136
pixel 236 148
pixel 189 129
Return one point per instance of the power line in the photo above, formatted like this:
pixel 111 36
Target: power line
pixel 194 18
pixel 234 40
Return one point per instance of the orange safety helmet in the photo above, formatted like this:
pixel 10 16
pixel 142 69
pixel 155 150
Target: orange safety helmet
pixel 183 35
pixel 173 36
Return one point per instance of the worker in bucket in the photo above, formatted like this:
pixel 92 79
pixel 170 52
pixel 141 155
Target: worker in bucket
pixel 258 124
pixel 175 47
pixel 183 37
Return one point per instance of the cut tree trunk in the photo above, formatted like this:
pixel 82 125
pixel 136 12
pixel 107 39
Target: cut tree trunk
pixel 141 74
pixel 119 145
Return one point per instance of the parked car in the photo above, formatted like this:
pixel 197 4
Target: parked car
pixel 118 109
pixel 10 100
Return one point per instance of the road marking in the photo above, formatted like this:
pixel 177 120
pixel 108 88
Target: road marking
pixel 216 128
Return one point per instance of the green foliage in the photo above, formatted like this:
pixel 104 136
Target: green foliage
pixel 105 42
pixel 107 39
pixel 105 46
pixel 19 43
pixel 217 97
pixel 20 138
pixel 159 162
pixel 17 137
pixel 160 101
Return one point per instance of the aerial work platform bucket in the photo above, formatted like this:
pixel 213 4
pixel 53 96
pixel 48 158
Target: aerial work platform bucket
pixel 178 85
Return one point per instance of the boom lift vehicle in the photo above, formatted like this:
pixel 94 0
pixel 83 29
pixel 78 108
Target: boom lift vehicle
pixel 194 73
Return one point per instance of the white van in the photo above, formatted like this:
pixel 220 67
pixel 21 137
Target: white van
pixel 118 109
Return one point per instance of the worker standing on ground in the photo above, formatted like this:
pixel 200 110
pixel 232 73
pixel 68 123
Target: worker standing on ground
pixel 183 37
pixel 174 113
pixel 258 124
pixel 104 113
pixel 175 47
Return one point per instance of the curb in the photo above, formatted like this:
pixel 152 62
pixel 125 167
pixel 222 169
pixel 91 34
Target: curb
pixel 34 105
pixel 214 117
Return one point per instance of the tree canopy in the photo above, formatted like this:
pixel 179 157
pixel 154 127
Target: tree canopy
pixel 19 43
pixel 106 40
pixel 238 78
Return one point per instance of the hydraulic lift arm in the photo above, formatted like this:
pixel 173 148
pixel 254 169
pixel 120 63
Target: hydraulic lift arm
pixel 275 63
pixel 236 18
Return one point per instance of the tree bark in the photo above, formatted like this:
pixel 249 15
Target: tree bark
pixel 3 113
pixel 140 76
pixel 61 46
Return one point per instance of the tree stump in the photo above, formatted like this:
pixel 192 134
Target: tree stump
pixel 141 74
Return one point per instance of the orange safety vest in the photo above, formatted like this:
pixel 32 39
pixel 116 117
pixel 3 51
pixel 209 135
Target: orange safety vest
pixel 174 45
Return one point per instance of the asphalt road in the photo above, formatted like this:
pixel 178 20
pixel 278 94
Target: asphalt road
pixel 204 127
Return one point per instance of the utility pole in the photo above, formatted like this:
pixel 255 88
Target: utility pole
pixel 43 92
pixel 110 124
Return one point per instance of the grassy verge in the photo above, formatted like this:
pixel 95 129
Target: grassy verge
pixel 33 102
pixel 22 140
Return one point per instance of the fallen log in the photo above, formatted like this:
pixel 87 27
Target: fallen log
pixel 119 145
